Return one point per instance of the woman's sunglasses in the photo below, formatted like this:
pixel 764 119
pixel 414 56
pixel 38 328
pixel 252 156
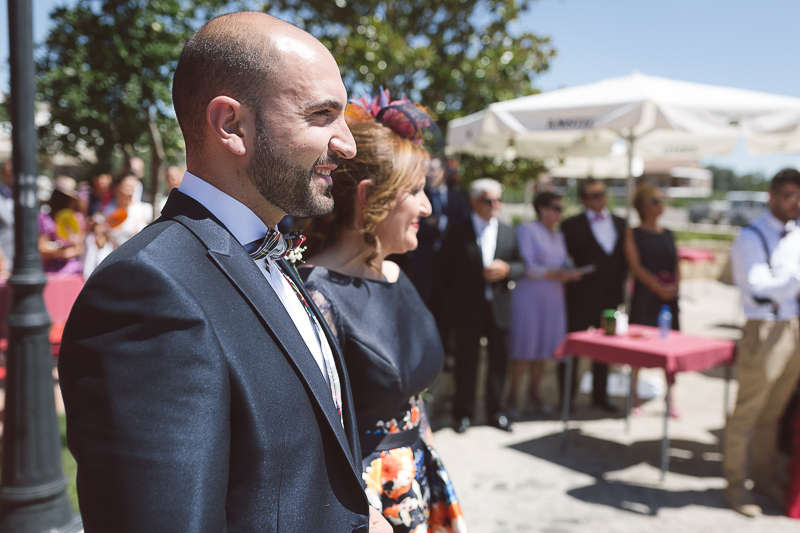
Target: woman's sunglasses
pixel 557 208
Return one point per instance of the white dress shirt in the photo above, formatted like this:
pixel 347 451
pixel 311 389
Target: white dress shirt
pixel 755 278
pixel 246 227
pixel 603 229
pixel 486 233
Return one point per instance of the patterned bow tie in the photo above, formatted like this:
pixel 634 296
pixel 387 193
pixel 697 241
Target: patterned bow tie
pixel 597 217
pixel 275 246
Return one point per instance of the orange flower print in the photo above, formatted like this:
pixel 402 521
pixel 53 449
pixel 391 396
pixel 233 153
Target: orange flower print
pixel 398 471
pixel 372 480
pixel 409 484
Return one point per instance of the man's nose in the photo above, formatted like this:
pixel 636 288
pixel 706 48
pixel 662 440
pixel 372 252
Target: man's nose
pixel 342 142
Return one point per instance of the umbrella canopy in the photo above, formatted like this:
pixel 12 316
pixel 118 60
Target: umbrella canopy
pixel 660 118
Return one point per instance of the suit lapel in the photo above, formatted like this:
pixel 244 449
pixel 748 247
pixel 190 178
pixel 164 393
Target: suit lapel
pixel 619 225
pixel 502 241
pixel 347 401
pixel 241 270
pixel 473 250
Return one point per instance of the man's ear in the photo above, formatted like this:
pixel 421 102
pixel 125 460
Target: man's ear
pixel 228 119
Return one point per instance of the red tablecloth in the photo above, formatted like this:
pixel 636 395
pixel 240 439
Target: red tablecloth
pixel 696 255
pixel 676 353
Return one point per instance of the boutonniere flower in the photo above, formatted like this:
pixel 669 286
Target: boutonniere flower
pixel 294 256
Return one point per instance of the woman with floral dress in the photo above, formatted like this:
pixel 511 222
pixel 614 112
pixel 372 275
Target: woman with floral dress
pixel 389 338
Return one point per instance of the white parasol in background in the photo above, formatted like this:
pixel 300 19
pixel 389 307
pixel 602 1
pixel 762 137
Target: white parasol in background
pixel 658 118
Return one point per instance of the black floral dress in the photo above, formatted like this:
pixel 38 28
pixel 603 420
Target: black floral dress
pixel 393 353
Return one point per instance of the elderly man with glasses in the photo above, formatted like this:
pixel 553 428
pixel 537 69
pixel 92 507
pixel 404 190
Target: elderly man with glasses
pixel 479 259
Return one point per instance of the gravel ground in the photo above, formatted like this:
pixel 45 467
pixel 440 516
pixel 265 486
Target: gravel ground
pixel 609 478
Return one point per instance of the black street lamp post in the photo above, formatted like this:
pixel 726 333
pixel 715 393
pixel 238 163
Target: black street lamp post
pixel 33 496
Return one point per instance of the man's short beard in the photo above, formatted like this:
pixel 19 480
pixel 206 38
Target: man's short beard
pixel 284 184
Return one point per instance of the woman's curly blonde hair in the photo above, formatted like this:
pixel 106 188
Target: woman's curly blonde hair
pixel 391 163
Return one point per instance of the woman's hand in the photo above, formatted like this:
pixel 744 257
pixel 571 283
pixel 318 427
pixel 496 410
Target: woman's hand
pixel 667 292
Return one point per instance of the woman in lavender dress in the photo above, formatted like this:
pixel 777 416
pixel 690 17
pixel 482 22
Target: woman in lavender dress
pixel 539 319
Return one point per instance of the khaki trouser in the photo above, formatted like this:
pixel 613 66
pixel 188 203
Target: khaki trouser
pixel 768 369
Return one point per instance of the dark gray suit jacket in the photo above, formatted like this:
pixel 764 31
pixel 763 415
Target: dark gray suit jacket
pixel 193 403
pixel 461 268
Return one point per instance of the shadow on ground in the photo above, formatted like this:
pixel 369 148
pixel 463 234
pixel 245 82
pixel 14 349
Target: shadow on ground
pixel 599 458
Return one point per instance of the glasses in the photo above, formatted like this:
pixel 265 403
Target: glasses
pixel 597 195
pixel 656 201
pixel 556 208
pixel 490 201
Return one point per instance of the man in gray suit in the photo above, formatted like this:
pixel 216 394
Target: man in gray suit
pixel 203 390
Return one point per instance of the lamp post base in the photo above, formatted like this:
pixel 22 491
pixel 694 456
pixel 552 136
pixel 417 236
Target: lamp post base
pixel 51 516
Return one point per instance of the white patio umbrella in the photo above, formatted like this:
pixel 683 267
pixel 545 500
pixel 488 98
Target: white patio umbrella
pixel 615 165
pixel 659 119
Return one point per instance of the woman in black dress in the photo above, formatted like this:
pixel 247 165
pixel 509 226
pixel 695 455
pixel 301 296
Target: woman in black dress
pixel 653 261
pixel 389 338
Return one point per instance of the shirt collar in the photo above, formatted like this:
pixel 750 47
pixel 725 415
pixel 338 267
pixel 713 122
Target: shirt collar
pixel 480 223
pixel 777 225
pixel 591 214
pixel 245 225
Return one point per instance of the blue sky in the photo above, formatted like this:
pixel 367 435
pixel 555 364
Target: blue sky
pixel 738 43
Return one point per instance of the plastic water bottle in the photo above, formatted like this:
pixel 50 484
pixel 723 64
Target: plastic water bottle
pixel 664 322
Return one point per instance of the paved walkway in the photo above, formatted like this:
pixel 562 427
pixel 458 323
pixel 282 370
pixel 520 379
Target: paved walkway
pixel 609 480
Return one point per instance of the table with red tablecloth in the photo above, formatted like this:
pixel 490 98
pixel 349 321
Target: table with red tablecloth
pixel 59 294
pixel 696 255
pixel 642 347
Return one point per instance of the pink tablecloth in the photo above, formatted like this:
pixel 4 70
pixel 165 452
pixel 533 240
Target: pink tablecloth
pixel 59 294
pixel 676 353
pixel 696 255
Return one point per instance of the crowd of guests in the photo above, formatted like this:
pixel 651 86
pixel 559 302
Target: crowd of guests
pixel 563 276
pixel 566 273
pixel 80 224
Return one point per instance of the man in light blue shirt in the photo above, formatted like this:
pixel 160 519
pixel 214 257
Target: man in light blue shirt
pixel 765 261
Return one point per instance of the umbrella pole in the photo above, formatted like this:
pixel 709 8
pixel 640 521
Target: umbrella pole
pixel 631 185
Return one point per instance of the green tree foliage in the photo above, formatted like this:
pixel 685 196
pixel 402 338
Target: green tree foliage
pixel 725 179
pixel 105 72
pixel 106 67
pixel 455 56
